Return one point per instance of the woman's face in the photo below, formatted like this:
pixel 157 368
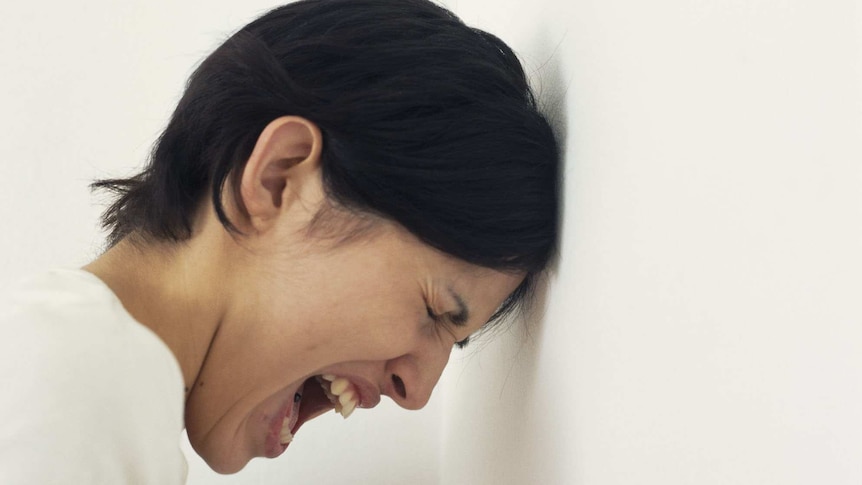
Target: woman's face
pixel 357 311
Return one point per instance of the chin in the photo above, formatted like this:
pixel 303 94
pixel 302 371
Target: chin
pixel 228 468
pixel 219 459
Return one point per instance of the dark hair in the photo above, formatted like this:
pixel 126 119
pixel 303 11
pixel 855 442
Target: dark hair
pixel 425 121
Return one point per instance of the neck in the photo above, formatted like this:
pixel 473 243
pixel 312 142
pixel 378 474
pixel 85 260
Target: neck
pixel 174 291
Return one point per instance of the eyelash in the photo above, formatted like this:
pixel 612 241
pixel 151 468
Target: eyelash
pixel 437 318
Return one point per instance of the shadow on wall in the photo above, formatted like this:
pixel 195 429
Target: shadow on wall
pixel 551 90
pixel 503 438
pixel 525 453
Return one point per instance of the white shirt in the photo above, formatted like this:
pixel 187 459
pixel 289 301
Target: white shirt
pixel 88 395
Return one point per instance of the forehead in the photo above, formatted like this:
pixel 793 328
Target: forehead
pixel 456 268
pixel 484 291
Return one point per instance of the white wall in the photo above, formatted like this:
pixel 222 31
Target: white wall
pixel 703 325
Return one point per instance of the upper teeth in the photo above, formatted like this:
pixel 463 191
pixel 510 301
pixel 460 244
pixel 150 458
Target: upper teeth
pixel 340 392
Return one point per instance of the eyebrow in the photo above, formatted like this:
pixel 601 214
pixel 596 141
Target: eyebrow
pixel 460 319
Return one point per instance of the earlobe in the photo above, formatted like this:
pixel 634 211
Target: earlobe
pixel 284 167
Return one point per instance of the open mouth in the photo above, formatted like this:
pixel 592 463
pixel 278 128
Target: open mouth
pixel 318 395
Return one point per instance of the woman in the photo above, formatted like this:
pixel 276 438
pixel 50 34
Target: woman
pixel 347 189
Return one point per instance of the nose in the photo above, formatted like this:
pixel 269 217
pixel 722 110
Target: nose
pixel 412 377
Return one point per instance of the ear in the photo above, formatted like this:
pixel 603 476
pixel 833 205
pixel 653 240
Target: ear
pixel 283 170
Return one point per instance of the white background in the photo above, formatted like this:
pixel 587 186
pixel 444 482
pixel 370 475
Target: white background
pixel 704 323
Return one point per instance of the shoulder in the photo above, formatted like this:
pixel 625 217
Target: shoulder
pixel 68 320
pixel 85 383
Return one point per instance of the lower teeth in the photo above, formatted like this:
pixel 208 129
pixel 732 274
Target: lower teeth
pixel 286 436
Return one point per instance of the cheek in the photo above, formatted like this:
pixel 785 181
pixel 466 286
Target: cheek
pixel 375 313
pixel 376 332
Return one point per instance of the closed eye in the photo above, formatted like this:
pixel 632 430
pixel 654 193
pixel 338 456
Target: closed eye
pixel 438 318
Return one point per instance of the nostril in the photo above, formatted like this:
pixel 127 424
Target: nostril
pixel 399 386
